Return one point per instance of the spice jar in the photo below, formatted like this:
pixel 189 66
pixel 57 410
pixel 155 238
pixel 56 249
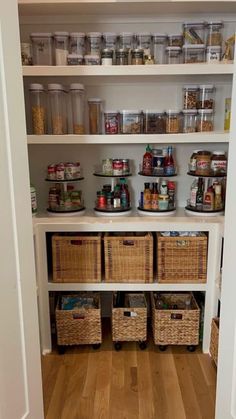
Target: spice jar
pixel 42 48
pixel 137 56
pixel 218 163
pixel 203 165
pixel 173 122
pixel 190 119
pixel 214 33
pixel 194 53
pixel 122 57
pixel 77 43
pixel 143 41
pixel 205 120
pixel 154 122
pixel 206 96
pixel 94 43
pixel 58 113
pixel 213 54
pixel 75 59
pixel 159 48
pixel 91 59
pixel 77 103
pixel 111 121
pixel 131 122
pixel 38 108
pixel 107 56
pixel 194 33
pixel 175 40
pixel 61 43
pixel 26 54
pixel 95 116
pixel 190 96
pixel 173 55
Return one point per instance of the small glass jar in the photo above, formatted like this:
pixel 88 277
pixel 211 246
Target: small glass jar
pixel 122 56
pixel 173 55
pixel 214 33
pixel 107 56
pixel 95 115
pixel 61 44
pixel 213 54
pixel 174 122
pixel 159 48
pixel 205 120
pixel 77 43
pixel 57 100
pixel 144 42
pixel 175 40
pixel 38 109
pixel 92 59
pixel 77 104
pixel 203 163
pixel 111 121
pixel 154 122
pixel 42 48
pixel 194 53
pixel 26 53
pixel 194 33
pixel 190 120
pixel 131 122
pixel 75 59
pixel 206 96
pixel 94 43
pixel 190 96
pixel 137 56
pixel 218 163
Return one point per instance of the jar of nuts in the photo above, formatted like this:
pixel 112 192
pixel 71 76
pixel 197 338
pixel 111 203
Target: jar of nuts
pixel 58 114
pixel 205 120
pixel 190 96
pixel 174 121
pixel 38 109
pixel 214 36
pixel 206 96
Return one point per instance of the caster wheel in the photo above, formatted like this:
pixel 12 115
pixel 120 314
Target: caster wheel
pixel 61 349
pixel 96 346
pixel 142 345
pixel 118 346
pixel 191 348
pixel 162 348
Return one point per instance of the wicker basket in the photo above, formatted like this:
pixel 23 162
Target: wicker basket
pixel 128 257
pixel 76 258
pixel 129 324
pixel 175 326
pixel 182 259
pixel 79 326
pixel 214 339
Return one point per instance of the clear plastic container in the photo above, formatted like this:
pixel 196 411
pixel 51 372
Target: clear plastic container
pixel 159 48
pixel 131 122
pixel 77 43
pixel 107 56
pixel 154 122
pixel 144 42
pixel 61 44
pixel 126 41
pixel 77 104
pixel 58 114
pixel 194 53
pixel 189 120
pixel 175 40
pixel 137 56
pixel 206 96
pixel 194 33
pixel 75 59
pixel 109 40
pixel 111 122
pixel 42 48
pixel 92 59
pixel 122 56
pixel 174 55
pixel 95 115
pixel 214 33
pixel 26 53
pixel 190 96
pixel 174 122
pixel 94 43
pixel 213 54
pixel 205 120
pixel 38 109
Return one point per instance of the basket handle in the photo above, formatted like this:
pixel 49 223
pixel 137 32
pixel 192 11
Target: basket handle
pixel 76 242
pixel 130 314
pixel 182 243
pixel 176 316
pixel 78 316
pixel 128 242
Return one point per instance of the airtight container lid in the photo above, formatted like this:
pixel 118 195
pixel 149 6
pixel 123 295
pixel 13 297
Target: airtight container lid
pixel 61 34
pixel 94 99
pixel 215 23
pixel 126 34
pixel 125 111
pixel 194 24
pixel 154 111
pixel 41 35
pixel 159 35
pixel 110 34
pixel 206 86
pixel 77 34
pixel 194 46
pixel 55 86
pixel 173 111
pixel 219 153
pixel 189 111
pixel 143 34
pixel 94 34
pixel 215 48
pixel 36 86
pixel 173 48
pixel 92 57
pixel 205 111
pixel 190 87
pixel 111 112
pixel 76 86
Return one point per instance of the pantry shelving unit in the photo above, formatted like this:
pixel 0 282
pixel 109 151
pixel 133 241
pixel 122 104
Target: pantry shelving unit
pixel 118 16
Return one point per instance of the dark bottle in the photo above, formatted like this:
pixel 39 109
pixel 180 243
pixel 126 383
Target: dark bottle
pixel 120 299
pixel 169 164
pixel 200 195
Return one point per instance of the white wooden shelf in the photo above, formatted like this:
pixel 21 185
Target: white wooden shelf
pixel 129 70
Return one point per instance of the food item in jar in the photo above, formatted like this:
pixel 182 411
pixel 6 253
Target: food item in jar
pixel 214 36
pixel 122 56
pixel 38 120
pixel 189 123
pixel 173 54
pixel 203 165
pixel 111 120
pixel 206 96
pixel 95 105
pixel 194 53
pixel 190 96
pixel 227 114
pixel 107 167
pixel 194 32
pixel 173 122
pixel 75 59
pixel 90 59
pixel 61 42
pixel 57 125
pixel 107 56
pixel 193 161
pixel 131 122
pixel 137 56
pixel 175 40
pixel 218 163
pixel 205 120
pixel 154 122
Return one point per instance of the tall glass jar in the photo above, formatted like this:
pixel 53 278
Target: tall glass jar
pixel 94 43
pixel 61 44
pixel 95 115
pixel 159 48
pixel 42 48
pixel 77 43
pixel 214 33
pixel 144 42
pixel 77 103
pixel 38 109
pixel 57 100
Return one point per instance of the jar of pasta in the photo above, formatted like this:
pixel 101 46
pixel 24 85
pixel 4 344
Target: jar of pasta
pixel 214 33
pixel 205 120
pixel 38 108
pixel 77 103
pixel 174 121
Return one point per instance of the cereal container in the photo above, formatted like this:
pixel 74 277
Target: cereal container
pixel 144 41
pixel 214 33
pixel 94 43
pixel 109 40
pixel 61 43
pixel 205 120
pixel 77 102
pixel 131 122
pixel 58 113
pixel 42 48
pixel 38 109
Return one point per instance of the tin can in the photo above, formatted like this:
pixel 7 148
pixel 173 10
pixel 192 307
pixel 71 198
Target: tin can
pixel 53 198
pixel 78 169
pixel 107 166
pixel 125 166
pixel 60 171
pixel 51 172
pixel 70 171
pixel 117 165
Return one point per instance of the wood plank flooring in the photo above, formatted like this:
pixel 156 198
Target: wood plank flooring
pixel 129 384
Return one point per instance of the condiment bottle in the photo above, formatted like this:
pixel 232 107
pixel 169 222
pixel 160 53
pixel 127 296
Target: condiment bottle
pixel 169 165
pixel 193 193
pixel 154 197
pixel 199 197
pixel 163 188
pixel 171 193
pixel 209 199
pixel 147 197
pixel 147 161
pixel 218 197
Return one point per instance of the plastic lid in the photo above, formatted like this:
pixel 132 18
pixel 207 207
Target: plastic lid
pixel 132 111
pixel 95 99
pixel 194 46
pixel 196 23
pixel 190 111
pixel 190 86
pixel 92 56
pixel 41 35
pixel 113 112
pixel 216 22
pixel 219 153
pixel 61 34
pixel 55 86
pixel 173 48
pixel 94 34
pixel 126 34
pixel 77 34
pixel 202 111
pixel 154 111
pixel 76 86
pixel 206 86
pixel 143 34
pixel 36 86
pixel 214 48
pixel 161 35
pixel 164 197
pixel 173 111
pixel 109 34
pixel 74 56
pixel 179 35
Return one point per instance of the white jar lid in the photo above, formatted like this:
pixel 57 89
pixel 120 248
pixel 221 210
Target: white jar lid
pixel 154 111
pixel 114 34
pixel 202 111
pixel 126 34
pixel 173 111
pixel 215 23
pixel 41 35
pixel 190 87
pixel 77 34
pixel 75 56
pixel 214 48
pixel 94 99
pixel 175 48
pixel 206 86
pixel 55 86
pixel 143 34
pixel 113 112
pixel 159 35
pixel 189 111
pixel 94 34
pixel 36 86
pixel 125 111
pixel 61 34
pixel 92 57
pixel 194 46
pixel 76 86
pixel 219 153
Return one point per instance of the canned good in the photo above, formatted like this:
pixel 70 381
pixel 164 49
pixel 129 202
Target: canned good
pixel 107 167
pixel 111 120
pixel 70 171
pixel 60 171
pixel 125 166
pixel 51 172
pixel 53 198
pixel 101 200
pixel 117 165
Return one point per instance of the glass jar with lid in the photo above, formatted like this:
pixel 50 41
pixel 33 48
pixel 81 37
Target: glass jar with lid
pixel 61 44
pixel 194 32
pixel 174 122
pixel 154 122
pixel 190 96
pixel 131 122
pixel 91 59
pixel 206 96
pixel 77 43
pixel 107 56
pixel 77 105
pixel 159 48
pixel 190 119
pixel 174 55
pixel 42 48
pixel 137 56
pixel 122 56
pixel 218 163
pixel 144 42
pixel 94 43
pixel 205 120
pixel 38 109
pixel 214 33
pixel 194 53
pixel 58 114
pixel 109 40
pixel 126 41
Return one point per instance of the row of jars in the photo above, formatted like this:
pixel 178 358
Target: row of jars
pixel 62 48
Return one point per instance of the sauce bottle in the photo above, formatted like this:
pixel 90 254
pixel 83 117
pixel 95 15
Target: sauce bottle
pixel 154 197
pixel 169 165
pixel 147 197
pixel 147 161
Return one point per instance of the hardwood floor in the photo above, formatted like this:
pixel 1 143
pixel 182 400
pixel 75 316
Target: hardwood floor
pixel 129 384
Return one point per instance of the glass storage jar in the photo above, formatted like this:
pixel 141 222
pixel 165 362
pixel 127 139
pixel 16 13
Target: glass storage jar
pixel 58 114
pixel 38 109
pixel 174 55
pixel 175 40
pixel 94 43
pixel 111 122
pixel 190 96
pixel 92 59
pixel 42 48
pixel 214 33
pixel 174 122
pixel 26 53
pixel 144 42
pixel 206 96
pixel 77 43
pixel 194 32
pixel 95 115
pixel 61 44
pixel 213 54
pixel 137 56
pixel 122 56
pixel 77 105
pixel 190 119
pixel 159 48
pixel 154 122
pixel 205 120
pixel 126 41
pixel 194 53
pixel 131 122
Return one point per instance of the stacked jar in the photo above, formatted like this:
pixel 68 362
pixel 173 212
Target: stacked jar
pixel 194 47
pixel 214 42
pixel 198 104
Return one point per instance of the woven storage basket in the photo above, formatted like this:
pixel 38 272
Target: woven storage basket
pixel 76 258
pixel 79 326
pixel 129 324
pixel 214 339
pixel 128 257
pixel 182 259
pixel 175 326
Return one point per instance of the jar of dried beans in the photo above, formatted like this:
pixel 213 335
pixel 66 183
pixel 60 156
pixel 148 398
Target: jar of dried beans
pixel 38 109
pixel 205 120
pixel 77 104
pixel 174 121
